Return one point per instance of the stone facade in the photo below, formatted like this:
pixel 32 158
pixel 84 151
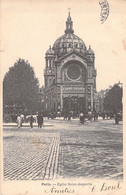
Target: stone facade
pixel 70 74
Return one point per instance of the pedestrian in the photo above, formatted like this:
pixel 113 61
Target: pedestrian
pixel 22 119
pixel 103 115
pixel 69 117
pixel 19 120
pixel 89 115
pixel 118 117
pixel 95 115
pixel 40 120
pixel 65 116
pixel 81 118
pixel 31 121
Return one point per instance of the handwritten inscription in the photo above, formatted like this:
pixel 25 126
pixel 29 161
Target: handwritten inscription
pixel 106 187
pixel 60 190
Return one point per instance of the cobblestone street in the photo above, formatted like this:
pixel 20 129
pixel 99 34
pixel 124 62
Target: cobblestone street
pixel 63 149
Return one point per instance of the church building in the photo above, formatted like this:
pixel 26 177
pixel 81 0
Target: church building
pixel 70 74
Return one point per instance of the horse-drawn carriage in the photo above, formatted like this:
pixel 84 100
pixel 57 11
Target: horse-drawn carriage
pixel 10 112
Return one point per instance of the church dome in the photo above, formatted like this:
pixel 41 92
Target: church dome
pixel 69 41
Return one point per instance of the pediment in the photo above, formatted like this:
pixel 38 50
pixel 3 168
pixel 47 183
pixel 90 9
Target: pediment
pixel 72 55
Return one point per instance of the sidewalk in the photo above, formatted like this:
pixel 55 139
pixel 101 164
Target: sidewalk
pixel 24 125
pixel 47 122
pixel 53 122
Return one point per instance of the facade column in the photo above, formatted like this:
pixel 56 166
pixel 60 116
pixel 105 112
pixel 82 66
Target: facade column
pixel 86 96
pixel 46 63
pixel 91 96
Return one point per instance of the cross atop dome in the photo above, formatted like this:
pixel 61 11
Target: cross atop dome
pixel 69 24
pixel 69 17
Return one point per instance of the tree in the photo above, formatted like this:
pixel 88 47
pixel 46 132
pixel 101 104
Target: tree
pixel 20 86
pixel 113 99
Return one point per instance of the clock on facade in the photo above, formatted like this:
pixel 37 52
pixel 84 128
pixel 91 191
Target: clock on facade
pixel 73 72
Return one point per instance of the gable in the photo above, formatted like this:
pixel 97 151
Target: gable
pixel 73 54
pixel 73 57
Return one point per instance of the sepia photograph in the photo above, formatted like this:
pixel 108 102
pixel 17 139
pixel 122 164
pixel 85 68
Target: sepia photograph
pixel 62 79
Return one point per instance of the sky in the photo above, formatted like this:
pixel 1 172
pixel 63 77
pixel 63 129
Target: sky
pixel 29 27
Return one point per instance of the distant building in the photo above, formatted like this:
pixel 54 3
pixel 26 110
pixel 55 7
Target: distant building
pixel 100 101
pixel 70 74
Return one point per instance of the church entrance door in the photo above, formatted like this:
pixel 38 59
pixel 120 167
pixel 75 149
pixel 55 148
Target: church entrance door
pixel 74 104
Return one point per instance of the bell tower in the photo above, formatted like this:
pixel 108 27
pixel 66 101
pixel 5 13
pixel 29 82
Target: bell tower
pixel 49 70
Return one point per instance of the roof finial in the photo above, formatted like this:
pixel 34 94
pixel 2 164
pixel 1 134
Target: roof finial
pixel 69 24
pixel 69 17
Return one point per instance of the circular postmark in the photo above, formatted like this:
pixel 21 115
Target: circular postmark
pixel 104 10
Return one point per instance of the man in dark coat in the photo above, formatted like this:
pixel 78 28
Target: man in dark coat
pixel 118 117
pixel 40 120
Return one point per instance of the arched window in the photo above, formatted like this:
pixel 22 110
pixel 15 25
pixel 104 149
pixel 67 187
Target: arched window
pixel 49 63
pixel 76 45
pixel 81 45
pixel 50 82
pixel 46 63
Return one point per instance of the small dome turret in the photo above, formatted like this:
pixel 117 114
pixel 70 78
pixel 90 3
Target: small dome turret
pixel 50 51
pixel 90 51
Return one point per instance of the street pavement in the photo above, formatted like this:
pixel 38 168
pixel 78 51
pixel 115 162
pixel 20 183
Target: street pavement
pixel 63 149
